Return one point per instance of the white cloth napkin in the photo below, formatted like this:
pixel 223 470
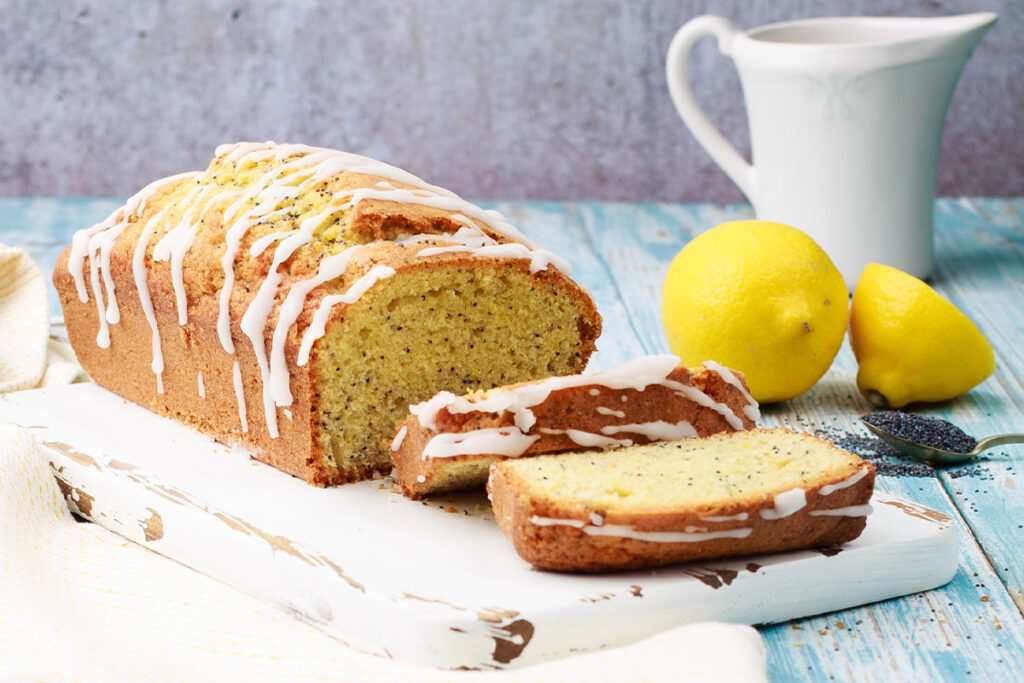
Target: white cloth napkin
pixel 78 602
pixel 29 358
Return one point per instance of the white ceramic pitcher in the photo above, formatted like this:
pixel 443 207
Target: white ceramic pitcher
pixel 846 117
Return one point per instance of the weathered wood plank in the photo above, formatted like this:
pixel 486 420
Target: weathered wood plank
pixel 966 629
pixel 980 267
pixel 971 625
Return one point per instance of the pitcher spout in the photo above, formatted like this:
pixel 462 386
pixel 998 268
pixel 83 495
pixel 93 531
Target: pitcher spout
pixel 958 35
pixel 969 23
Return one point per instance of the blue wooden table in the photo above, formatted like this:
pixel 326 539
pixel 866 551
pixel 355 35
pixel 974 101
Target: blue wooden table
pixel 971 629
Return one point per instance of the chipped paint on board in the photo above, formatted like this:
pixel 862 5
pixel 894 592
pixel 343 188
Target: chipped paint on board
pixel 78 500
pixel 72 454
pixel 919 512
pixel 715 578
pixel 511 639
pixel 152 526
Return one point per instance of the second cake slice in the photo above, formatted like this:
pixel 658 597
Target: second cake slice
pixel 448 442
pixel 760 491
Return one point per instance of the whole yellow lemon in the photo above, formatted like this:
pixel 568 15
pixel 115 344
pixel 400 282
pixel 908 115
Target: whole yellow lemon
pixel 759 297
pixel 911 344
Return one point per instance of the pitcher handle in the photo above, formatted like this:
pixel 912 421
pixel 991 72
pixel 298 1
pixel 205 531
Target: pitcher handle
pixel 720 149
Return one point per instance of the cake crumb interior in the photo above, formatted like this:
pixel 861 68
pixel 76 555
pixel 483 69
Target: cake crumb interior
pixel 692 472
pixel 413 339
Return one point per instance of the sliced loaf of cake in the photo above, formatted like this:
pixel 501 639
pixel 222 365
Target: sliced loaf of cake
pixel 448 442
pixel 726 495
pixel 296 300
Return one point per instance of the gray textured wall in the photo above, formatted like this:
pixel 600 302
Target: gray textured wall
pixel 516 99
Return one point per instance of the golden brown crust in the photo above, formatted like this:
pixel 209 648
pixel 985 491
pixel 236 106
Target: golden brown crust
pixel 571 408
pixel 562 547
pixel 125 368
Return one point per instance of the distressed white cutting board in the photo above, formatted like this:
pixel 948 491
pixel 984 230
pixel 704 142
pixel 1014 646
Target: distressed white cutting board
pixel 433 582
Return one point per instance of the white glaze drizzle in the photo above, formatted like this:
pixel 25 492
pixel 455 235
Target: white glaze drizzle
pixel 469 236
pixel 786 504
pixel 103 333
pixel 240 396
pixel 80 248
pixel 104 245
pixel 447 202
pixel 318 327
pixel 396 443
pixel 234 151
pixel 332 267
pixel 602 410
pixel 594 392
pixel 588 439
pixel 596 518
pixel 464 220
pixel 202 387
pixel 539 258
pixel 702 399
pixel 233 238
pixel 426 412
pixel 851 511
pixel 97 242
pixel 658 430
pixel 507 441
pixel 637 374
pixel 260 245
pixel 740 517
pixel 552 521
pixel 141 275
pixel 481 437
pixel 254 152
pixel 470 239
pixel 136 204
pixel 176 242
pixel 829 489
pixel 751 410
pixel 624 531
pixel 254 320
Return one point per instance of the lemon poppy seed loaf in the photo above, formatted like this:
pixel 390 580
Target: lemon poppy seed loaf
pixel 736 493
pixel 296 300
pixel 448 442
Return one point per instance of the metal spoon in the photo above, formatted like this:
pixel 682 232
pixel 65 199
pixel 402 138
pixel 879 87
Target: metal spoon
pixel 939 455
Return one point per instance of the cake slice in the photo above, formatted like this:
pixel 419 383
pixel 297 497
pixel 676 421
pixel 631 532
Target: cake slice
pixel 448 442
pixel 726 495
